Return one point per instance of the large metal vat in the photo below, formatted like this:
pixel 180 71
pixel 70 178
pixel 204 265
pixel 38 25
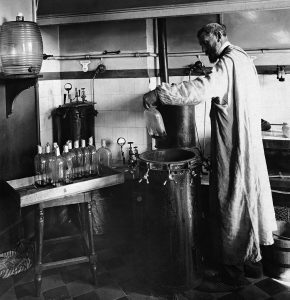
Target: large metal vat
pixel 169 185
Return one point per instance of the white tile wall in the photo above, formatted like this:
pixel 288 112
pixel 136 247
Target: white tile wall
pixel 119 103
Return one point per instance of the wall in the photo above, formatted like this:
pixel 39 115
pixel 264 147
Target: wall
pixel 118 93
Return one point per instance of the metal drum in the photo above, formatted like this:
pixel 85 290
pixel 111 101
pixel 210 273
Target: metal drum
pixel 169 181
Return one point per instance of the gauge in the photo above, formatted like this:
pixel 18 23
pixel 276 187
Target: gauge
pixel 121 141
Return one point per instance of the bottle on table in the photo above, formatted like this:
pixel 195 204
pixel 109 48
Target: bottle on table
pixel 68 165
pixel 74 161
pixel 58 168
pixel 40 167
pixel 49 161
pixel 86 159
pixel 104 157
pixel 79 160
pixel 93 158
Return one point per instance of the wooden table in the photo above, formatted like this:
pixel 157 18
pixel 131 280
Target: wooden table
pixel 78 192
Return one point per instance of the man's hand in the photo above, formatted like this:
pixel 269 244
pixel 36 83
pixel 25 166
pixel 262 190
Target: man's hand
pixel 151 99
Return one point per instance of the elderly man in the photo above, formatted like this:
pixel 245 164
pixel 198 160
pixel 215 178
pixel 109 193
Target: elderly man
pixel 241 207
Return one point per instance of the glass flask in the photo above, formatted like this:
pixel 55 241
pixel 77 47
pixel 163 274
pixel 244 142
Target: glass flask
pixel 79 160
pixel 68 165
pixel 58 169
pixel 74 161
pixel 86 159
pixel 49 161
pixel 39 167
pixel 93 157
pixel 104 157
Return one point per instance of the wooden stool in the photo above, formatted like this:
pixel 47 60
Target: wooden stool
pixel 83 199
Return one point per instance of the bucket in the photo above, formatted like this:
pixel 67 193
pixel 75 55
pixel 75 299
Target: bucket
pixel 277 257
pixel 169 181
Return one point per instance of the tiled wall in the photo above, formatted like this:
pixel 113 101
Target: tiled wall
pixel 119 100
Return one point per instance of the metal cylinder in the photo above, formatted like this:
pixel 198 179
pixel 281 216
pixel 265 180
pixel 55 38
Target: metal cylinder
pixel 169 185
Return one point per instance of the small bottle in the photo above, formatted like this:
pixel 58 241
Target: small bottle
pixel 79 160
pixel 58 169
pixel 93 158
pixel 74 161
pixel 104 157
pixel 86 159
pixel 68 165
pixel 49 161
pixel 39 167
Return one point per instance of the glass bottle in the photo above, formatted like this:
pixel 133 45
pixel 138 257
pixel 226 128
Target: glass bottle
pixel 79 160
pixel 49 161
pixel 68 165
pixel 86 159
pixel 39 167
pixel 74 161
pixel 104 157
pixel 58 169
pixel 93 158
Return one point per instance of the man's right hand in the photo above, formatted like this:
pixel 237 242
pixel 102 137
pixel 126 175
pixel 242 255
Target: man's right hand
pixel 151 99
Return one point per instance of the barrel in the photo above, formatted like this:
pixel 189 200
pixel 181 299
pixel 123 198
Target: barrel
pixel 169 181
pixel 21 48
pixel 276 258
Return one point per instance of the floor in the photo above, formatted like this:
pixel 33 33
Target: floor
pixel 122 270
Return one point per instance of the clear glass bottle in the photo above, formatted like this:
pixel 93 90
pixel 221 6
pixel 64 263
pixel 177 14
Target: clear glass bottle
pixel 49 161
pixel 40 167
pixel 86 159
pixel 68 165
pixel 104 157
pixel 94 170
pixel 79 160
pixel 74 161
pixel 58 169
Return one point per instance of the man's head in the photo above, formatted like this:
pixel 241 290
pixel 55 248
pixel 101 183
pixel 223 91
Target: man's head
pixel 211 38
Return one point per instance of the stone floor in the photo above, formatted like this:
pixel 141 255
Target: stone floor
pixel 122 271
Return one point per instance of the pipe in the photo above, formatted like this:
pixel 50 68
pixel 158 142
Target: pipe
pixel 99 56
pixel 162 50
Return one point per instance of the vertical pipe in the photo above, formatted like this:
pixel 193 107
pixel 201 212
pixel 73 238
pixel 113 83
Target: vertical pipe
pixel 34 10
pixel 179 121
pixel 162 50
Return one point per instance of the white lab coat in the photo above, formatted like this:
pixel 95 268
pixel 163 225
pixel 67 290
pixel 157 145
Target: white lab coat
pixel 241 205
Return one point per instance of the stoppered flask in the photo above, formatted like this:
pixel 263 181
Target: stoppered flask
pixel 93 158
pixel 68 165
pixel 57 169
pixel 74 161
pixel 79 160
pixel 49 161
pixel 104 157
pixel 40 167
pixel 86 159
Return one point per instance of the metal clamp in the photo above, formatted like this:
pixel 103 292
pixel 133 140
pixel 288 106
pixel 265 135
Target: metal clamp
pixel 170 176
pixel 146 175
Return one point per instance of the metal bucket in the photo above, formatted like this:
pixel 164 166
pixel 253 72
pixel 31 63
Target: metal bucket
pixel 169 185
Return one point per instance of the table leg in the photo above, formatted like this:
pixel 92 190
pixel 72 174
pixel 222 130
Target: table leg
pixel 93 256
pixel 38 254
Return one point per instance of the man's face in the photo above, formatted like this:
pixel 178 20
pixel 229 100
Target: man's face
pixel 210 46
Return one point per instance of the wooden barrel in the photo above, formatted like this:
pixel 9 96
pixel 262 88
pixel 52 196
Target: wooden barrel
pixel 277 257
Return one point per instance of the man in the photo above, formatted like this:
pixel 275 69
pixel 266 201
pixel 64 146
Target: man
pixel 241 207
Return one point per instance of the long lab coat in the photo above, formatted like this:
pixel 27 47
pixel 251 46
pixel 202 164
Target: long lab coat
pixel 241 205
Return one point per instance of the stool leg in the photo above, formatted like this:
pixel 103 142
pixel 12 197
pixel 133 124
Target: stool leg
pixel 38 254
pixel 93 256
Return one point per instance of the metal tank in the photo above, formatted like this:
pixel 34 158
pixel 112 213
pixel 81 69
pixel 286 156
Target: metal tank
pixel 168 184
